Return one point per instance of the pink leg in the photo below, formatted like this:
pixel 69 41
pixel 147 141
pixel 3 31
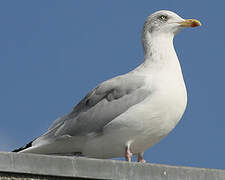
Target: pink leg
pixel 140 158
pixel 128 154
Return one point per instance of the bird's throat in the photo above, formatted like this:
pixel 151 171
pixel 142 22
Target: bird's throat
pixel 158 47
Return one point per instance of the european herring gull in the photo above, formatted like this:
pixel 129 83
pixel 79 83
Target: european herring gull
pixel 130 113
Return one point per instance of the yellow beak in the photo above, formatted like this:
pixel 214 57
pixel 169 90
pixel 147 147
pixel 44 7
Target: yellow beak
pixel 190 23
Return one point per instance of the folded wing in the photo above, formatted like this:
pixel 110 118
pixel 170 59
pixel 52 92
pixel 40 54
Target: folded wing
pixel 99 107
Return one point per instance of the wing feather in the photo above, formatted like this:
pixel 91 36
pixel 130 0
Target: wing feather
pixel 100 106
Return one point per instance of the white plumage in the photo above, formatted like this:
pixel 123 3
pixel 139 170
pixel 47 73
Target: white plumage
pixel 130 113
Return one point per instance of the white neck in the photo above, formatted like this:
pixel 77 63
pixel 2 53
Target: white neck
pixel 158 47
pixel 159 53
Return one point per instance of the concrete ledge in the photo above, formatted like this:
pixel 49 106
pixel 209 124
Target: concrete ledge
pixel 32 166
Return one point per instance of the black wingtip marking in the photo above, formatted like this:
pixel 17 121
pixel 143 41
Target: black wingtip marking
pixel 25 147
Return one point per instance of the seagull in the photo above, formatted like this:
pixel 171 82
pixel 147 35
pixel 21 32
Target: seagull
pixel 126 115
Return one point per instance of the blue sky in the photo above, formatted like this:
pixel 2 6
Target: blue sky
pixel 53 52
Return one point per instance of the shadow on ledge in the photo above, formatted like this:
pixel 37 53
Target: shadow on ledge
pixel 18 166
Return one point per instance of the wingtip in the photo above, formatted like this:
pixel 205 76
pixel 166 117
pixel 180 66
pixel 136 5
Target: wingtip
pixel 24 147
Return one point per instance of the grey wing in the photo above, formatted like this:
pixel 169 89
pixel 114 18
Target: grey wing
pixel 100 106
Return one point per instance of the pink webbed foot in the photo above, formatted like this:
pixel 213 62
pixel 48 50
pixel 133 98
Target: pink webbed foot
pixel 140 158
pixel 128 154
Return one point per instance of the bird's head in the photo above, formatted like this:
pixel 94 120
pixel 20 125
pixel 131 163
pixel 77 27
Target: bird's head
pixel 167 22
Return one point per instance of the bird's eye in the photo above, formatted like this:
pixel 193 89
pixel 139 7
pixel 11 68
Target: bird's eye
pixel 163 17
